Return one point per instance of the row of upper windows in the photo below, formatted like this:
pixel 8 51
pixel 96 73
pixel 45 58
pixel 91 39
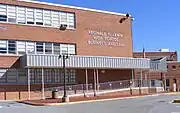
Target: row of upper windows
pixel 27 47
pixel 32 16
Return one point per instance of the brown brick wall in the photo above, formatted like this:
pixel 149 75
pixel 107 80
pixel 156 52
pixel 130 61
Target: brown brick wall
pixel 24 87
pixel 171 73
pixel 85 20
pixel 9 61
pixel 108 75
pixel 147 74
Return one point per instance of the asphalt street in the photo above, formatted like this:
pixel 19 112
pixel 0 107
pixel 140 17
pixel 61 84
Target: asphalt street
pixel 154 104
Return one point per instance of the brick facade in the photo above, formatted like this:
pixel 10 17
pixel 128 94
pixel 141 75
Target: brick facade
pixel 86 21
pixel 173 65
pixel 105 75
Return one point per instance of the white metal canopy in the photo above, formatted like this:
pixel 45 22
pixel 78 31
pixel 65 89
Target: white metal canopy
pixel 92 62
pixel 77 61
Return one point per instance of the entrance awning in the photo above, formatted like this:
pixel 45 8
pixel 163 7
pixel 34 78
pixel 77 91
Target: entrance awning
pixel 158 64
pixel 77 61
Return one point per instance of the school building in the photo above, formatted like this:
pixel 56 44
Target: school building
pixel 98 46
pixel 173 68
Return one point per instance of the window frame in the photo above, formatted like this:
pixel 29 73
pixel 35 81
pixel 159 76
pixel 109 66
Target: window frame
pixel 47 18
pixel 30 46
pixel 48 48
pixel 173 67
pixel 11 14
pixel 5 44
pixel 12 42
pixel 167 82
pixel 3 13
pixel 30 15
pixel 38 45
pixel 39 17
pixel 20 16
pixel 62 46
pixel 57 50
pixel 21 47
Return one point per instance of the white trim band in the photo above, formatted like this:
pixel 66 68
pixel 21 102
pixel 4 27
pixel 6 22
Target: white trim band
pixel 74 7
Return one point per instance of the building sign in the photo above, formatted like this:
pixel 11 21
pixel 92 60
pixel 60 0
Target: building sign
pixel 106 39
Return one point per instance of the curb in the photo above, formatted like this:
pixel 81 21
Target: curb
pixel 176 101
pixel 170 93
pixel 96 100
pixel 88 101
pixel 173 93
pixel 32 103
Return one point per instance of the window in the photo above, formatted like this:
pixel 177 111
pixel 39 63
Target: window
pixel 71 76
pixel 30 47
pixel 174 81
pixel 21 47
pixel 12 14
pixel 71 49
pixel 36 75
pixel 152 83
pixel 71 20
pixel 47 17
pixel 3 14
pixel 12 47
pixel 167 82
pixel 21 15
pixel 3 46
pixel 63 18
pixel 27 15
pixel 48 48
pixel 39 47
pixel 173 67
pixel 64 48
pixel 39 16
pixel 48 78
pixel 57 75
pixel 21 75
pixel 55 19
pixel 11 75
pixel 30 16
pixel 56 48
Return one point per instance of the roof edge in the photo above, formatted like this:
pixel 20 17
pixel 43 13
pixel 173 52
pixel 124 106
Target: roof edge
pixel 74 7
pixel 173 62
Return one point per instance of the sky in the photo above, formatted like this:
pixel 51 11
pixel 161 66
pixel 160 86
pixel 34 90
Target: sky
pixel 156 25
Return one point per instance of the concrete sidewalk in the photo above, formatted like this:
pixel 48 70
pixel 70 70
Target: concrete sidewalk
pixel 82 99
pixel 73 100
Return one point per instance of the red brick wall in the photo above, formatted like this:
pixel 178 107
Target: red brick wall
pixel 9 61
pixel 108 75
pixel 85 20
pixel 24 87
pixel 173 73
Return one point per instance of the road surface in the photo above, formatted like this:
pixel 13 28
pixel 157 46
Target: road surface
pixel 154 104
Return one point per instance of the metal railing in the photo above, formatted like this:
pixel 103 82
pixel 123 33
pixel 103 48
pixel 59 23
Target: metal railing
pixel 83 89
